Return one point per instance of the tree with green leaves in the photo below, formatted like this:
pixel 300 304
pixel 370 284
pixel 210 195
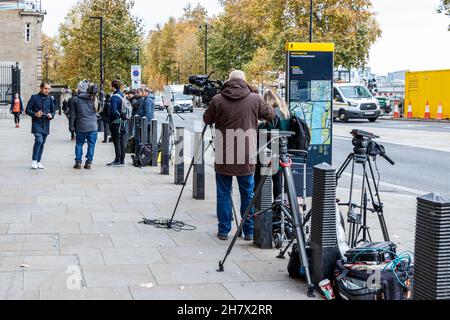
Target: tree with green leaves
pixel 79 39
pixel 52 59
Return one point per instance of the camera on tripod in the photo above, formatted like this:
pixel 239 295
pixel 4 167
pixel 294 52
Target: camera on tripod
pixel 365 146
pixel 202 86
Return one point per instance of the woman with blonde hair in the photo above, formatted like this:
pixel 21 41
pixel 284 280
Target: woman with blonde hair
pixel 281 122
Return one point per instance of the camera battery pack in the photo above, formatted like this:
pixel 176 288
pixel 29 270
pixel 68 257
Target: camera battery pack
pixel 378 252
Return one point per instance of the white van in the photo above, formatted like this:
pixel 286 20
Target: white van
pixel 176 100
pixel 354 101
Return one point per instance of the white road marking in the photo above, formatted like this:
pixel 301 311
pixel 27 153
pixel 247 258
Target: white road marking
pixel 393 186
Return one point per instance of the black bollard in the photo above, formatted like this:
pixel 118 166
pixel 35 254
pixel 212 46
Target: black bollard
pixel 137 132
pixel 165 149
pixel 323 223
pixel 179 156
pixel 432 248
pixel 154 142
pixel 263 237
pixel 199 167
pixel 144 130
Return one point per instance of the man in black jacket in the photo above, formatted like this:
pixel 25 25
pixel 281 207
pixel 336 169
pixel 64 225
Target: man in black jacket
pixel 41 109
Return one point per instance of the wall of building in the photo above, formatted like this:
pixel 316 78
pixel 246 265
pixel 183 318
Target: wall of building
pixel 14 48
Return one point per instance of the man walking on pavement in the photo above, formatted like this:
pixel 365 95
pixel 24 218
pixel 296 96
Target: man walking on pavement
pixel 236 110
pixel 117 127
pixel 84 114
pixel 148 105
pixel 41 109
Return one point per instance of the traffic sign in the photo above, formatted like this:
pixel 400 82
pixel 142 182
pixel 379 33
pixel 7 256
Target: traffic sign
pixel 135 73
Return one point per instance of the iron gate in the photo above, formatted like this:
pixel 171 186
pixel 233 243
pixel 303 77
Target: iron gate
pixel 9 82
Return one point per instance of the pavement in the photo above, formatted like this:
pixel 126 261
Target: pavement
pixel 68 234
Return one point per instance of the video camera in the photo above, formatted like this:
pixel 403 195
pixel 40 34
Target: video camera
pixel 364 143
pixel 202 86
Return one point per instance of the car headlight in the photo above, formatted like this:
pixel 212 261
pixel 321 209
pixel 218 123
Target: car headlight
pixel 351 104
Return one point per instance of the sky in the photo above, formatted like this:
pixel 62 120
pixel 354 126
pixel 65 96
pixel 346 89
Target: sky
pixel 414 36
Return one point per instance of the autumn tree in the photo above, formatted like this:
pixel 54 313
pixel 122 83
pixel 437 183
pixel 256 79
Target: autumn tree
pixel 444 7
pixel 52 59
pixel 79 38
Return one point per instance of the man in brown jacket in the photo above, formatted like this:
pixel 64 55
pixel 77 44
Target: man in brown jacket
pixel 235 113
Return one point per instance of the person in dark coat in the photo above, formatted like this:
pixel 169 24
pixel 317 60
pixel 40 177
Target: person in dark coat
pixel 70 106
pixel 117 125
pixel 147 108
pixel 105 118
pixel 84 111
pixel 41 109
pixel 236 111
pixel 17 109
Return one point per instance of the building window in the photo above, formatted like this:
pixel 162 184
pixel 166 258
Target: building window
pixel 28 32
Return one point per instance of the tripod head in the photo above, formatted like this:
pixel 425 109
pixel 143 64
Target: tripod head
pixel 365 146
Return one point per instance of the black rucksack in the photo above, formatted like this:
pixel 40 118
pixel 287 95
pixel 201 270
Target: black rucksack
pixel 143 157
pixel 302 138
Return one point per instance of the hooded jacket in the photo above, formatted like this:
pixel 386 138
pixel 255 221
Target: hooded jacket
pixel 83 113
pixel 235 113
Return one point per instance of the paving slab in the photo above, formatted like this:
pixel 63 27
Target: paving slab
pixel 27 228
pixel 86 257
pixel 39 218
pixel 4 228
pixel 116 217
pixel 117 276
pixel 50 280
pixel 85 241
pixel 182 292
pixel 265 270
pixel 132 256
pixel 108 227
pixel 15 217
pixel 143 240
pixel 197 273
pixel 181 254
pixel 190 239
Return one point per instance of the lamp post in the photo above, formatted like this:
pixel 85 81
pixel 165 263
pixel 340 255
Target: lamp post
pixel 102 70
pixel 311 21
pixel 46 67
pixel 206 26
pixel 138 60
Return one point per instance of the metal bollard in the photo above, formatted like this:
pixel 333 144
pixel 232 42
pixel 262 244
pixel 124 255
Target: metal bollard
pixel 154 142
pixel 137 132
pixel 323 223
pixel 144 130
pixel 199 167
pixel 431 248
pixel 263 237
pixel 165 149
pixel 179 156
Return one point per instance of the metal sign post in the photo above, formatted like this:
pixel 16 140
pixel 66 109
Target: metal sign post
pixel 309 87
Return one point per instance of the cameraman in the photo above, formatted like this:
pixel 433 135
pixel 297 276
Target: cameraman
pixel 236 110
pixel 84 113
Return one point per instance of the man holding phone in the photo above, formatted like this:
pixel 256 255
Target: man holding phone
pixel 41 109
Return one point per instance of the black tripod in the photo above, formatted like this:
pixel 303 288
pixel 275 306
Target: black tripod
pixel 364 149
pixel 292 212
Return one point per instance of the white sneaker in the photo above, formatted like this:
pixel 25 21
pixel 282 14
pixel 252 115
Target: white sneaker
pixel 34 165
pixel 40 166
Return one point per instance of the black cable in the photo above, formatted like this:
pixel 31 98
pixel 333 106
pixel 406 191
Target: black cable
pixel 164 223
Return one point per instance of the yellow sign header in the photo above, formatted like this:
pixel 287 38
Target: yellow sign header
pixel 312 47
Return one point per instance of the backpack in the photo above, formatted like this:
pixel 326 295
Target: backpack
pixel 143 157
pixel 126 111
pixel 302 138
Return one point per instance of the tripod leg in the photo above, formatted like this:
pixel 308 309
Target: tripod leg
pixel 241 226
pixel 185 182
pixel 380 210
pixel 298 223
pixel 283 252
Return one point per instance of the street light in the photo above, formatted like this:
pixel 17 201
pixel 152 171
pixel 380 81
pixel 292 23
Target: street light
pixel 138 60
pixel 206 26
pixel 102 71
pixel 311 21
pixel 46 66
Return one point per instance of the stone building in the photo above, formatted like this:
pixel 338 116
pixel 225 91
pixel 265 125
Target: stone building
pixel 21 41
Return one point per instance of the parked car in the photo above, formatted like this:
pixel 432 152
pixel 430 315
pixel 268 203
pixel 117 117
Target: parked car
pixel 182 103
pixel 159 105
pixel 354 101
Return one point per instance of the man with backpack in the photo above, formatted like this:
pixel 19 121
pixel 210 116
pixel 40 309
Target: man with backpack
pixel 117 124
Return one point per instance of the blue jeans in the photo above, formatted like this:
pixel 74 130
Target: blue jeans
pixel 224 209
pixel 82 137
pixel 39 143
